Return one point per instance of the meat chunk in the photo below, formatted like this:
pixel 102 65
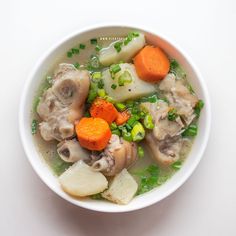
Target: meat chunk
pixel 63 103
pixel 166 151
pixel 119 154
pixel 179 97
pixel 163 127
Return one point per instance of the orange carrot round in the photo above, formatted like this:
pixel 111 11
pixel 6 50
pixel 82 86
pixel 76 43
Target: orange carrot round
pixel 151 64
pixel 103 109
pixel 93 133
pixel 122 117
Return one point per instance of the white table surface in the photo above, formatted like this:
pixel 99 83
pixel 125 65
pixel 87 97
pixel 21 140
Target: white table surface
pixel 206 203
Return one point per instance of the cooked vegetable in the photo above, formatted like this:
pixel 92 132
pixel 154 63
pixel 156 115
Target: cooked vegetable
pixel 34 126
pixel 138 132
pixel 140 152
pixel 151 64
pixel 122 117
pixel 122 188
pixel 198 107
pixel 120 51
pixel 191 131
pixel 81 181
pixel 172 114
pixel 176 69
pixel 76 65
pixel 176 165
pixel 148 122
pixel 82 46
pixel 116 131
pixel 127 136
pixel 93 133
pixel 132 87
pixel 93 41
pixel 120 106
pixel 103 109
pixel 148 178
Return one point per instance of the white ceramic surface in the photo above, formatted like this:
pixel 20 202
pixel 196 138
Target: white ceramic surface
pixel 58 50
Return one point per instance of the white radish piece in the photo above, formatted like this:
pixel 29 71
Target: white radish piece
pixel 122 188
pixel 109 55
pixel 130 90
pixel 80 180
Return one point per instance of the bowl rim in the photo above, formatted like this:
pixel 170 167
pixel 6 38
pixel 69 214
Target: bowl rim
pixel 140 27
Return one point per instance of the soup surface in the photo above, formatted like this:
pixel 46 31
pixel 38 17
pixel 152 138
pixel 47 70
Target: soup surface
pixel 114 118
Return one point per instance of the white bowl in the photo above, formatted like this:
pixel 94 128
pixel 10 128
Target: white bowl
pixel 57 51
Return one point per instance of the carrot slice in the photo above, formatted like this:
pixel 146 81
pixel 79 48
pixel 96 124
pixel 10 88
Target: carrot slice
pixel 122 117
pixel 93 133
pixel 103 109
pixel 151 64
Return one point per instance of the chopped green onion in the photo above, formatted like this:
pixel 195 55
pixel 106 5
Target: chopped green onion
pixel 131 121
pixel 101 93
pixel 117 46
pixel 82 46
pixel 97 196
pixel 190 131
pixel 76 65
pixel 152 99
pixel 128 127
pixel 127 136
pixel 198 107
pixel 120 106
pixel 87 114
pixel 172 114
pixel 138 132
pixel 93 41
pixel 100 84
pixel 69 54
pixel 98 48
pixel 116 131
pixel 115 68
pixel 113 86
pixel 135 34
pixel 49 79
pixel 125 77
pixel 75 50
pixel 128 39
pixel 176 165
pixel 109 99
pixel 97 75
pixel 140 152
pixel 113 126
pixel 148 122
pixel 190 88
pixel 34 126
pixel 92 92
